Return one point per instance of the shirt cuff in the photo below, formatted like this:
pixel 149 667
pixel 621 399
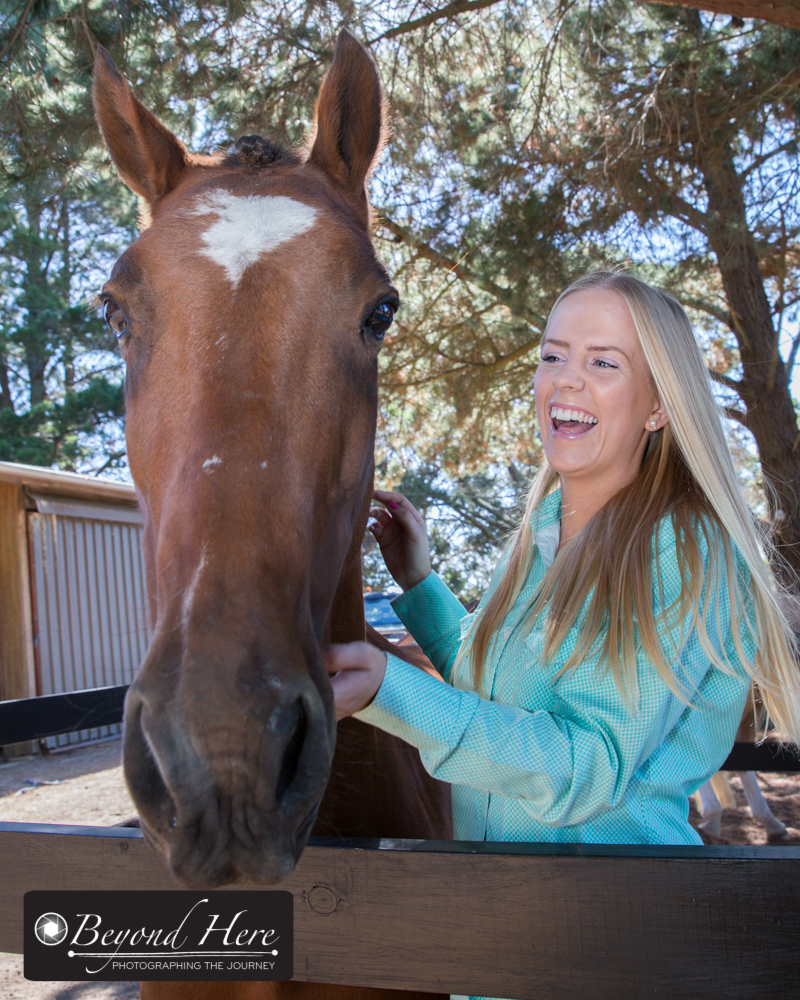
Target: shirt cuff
pixel 429 610
pixel 418 708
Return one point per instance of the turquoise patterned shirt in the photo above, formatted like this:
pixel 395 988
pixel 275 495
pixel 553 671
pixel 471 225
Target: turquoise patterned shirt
pixel 562 759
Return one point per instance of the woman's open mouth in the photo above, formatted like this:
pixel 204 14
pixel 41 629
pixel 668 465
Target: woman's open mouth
pixel 568 422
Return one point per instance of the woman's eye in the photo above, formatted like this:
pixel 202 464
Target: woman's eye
pixel 605 364
pixel 551 357
pixel 379 320
pixel 115 317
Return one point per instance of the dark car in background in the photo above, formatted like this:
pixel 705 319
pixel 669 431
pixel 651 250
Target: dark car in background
pixel 382 617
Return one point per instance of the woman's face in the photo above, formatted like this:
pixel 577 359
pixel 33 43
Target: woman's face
pixel 594 398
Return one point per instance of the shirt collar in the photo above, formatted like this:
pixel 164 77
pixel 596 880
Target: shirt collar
pixel 547 527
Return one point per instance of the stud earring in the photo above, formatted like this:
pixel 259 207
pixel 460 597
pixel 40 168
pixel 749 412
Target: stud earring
pixel 654 424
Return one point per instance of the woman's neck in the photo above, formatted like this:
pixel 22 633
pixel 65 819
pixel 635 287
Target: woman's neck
pixel 580 501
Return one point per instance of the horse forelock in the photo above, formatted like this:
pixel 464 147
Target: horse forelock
pixel 256 151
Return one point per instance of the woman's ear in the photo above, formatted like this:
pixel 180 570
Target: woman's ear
pixel 658 418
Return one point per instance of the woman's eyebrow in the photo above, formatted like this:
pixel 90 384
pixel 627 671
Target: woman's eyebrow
pixel 599 347
pixel 589 347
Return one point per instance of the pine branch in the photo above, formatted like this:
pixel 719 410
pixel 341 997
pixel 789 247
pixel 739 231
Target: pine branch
pixel 111 459
pixel 451 10
pixel 793 355
pixel 759 161
pixel 784 305
pixel 681 209
pixel 504 296
pixel 705 306
pixel 725 380
pixel 483 526
pixel 738 415
pixel 18 29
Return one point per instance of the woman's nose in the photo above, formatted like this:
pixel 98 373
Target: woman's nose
pixel 569 376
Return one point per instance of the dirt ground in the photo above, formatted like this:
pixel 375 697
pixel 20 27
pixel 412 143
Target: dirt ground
pixel 782 793
pixel 85 787
pixel 90 791
pixel 13 986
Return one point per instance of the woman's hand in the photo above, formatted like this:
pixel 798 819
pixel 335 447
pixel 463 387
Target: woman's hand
pixel 400 533
pixel 356 670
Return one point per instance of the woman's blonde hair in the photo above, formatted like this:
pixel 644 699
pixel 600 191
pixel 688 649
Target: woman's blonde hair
pixel 687 473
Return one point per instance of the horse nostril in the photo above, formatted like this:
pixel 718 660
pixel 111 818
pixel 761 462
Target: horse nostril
pixel 149 790
pixel 294 748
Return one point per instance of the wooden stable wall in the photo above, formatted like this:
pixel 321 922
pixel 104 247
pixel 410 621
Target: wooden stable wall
pixel 17 674
pixel 36 504
pixel 533 921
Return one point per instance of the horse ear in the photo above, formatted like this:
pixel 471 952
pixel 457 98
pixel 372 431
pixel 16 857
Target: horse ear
pixel 350 121
pixel 148 157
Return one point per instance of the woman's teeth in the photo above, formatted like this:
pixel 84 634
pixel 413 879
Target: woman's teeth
pixel 557 413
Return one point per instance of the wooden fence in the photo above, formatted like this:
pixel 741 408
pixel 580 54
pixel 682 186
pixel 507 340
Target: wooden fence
pixel 530 921
pixel 537 922
pixel 30 719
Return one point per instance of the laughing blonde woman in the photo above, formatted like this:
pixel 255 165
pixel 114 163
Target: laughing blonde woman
pixel 603 676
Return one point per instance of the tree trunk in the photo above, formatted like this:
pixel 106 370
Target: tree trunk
pixel 6 402
pixel 783 12
pixel 36 364
pixel 764 386
pixel 35 301
pixel 65 283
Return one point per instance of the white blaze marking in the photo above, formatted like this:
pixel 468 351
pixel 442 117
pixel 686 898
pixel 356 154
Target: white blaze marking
pixel 249 225
pixel 188 597
pixel 210 463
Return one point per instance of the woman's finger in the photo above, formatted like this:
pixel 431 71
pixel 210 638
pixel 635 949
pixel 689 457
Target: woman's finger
pixel 356 670
pixel 333 658
pixel 400 506
pixel 350 693
pixel 386 495
pixel 380 515
pixel 409 519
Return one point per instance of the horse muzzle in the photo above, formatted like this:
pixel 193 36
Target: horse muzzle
pixel 227 802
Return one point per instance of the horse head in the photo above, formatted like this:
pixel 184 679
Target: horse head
pixel 250 312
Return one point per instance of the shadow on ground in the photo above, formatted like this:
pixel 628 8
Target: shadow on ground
pixel 14 986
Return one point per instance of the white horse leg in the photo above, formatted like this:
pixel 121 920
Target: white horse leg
pixel 758 807
pixel 710 810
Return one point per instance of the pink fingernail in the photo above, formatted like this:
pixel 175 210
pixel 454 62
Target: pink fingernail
pixel 393 505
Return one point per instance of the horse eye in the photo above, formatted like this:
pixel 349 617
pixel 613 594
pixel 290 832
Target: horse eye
pixel 115 317
pixel 379 320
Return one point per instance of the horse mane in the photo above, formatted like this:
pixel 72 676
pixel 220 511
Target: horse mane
pixel 256 151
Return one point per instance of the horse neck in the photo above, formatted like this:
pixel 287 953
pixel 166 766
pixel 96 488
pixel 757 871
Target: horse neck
pixel 346 618
pixel 378 786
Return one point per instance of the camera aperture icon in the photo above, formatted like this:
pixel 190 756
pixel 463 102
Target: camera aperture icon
pixel 51 928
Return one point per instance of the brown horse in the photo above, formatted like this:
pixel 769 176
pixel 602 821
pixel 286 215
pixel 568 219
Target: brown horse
pixel 250 312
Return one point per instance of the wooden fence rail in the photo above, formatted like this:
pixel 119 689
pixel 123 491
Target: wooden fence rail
pixel 537 922
pixel 55 714
pixel 52 715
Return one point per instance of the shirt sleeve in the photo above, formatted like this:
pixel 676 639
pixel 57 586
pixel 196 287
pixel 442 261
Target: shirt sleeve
pixel 433 614
pixel 570 763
